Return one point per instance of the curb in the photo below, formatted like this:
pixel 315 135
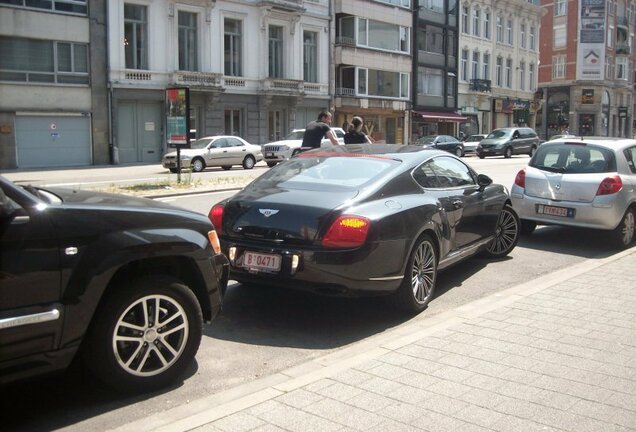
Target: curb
pixel 191 192
pixel 208 409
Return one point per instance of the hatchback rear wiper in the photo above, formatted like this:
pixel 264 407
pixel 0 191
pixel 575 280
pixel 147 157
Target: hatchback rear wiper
pixel 550 168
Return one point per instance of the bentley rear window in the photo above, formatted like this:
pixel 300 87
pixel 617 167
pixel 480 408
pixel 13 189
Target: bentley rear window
pixel 318 173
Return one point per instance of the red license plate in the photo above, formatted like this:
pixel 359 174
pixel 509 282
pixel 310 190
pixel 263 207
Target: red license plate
pixel 261 261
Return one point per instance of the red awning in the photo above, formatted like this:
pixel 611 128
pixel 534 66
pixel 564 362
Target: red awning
pixel 445 116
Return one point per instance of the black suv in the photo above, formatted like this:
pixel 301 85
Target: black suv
pixel 120 282
pixel 509 141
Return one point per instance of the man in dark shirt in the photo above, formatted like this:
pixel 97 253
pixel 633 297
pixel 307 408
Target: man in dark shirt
pixel 317 130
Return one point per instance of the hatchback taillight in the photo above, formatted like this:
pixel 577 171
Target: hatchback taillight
pixel 216 217
pixel 610 185
pixel 520 179
pixel 347 231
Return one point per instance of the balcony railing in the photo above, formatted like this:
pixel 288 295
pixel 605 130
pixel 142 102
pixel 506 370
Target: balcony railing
pixel 482 85
pixel 622 49
pixel 343 91
pixel 622 21
pixel 345 40
pixel 285 5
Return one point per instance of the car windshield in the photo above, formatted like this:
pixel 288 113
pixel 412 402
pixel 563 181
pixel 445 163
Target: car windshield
pixel 572 158
pixel 296 135
pixel 475 138
pixel 499 133
pixel 326 172
pixel 200 143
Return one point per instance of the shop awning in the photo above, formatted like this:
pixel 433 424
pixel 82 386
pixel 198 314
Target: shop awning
pixel 444 116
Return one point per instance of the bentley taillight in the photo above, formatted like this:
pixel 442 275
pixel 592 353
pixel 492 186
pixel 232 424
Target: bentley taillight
pixel 216 217
pixel 610 185
pixel 346 232
pixel 520 179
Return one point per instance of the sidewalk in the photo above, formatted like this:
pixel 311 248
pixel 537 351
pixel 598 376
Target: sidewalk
pixel 554 354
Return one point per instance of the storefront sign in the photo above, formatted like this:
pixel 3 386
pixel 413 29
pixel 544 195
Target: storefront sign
pixel 622 112
pixel 587 96
pixel 510 105
pixel 591 50
pixel 498 105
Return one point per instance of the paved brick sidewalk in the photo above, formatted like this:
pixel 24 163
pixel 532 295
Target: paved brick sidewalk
pixel 556 354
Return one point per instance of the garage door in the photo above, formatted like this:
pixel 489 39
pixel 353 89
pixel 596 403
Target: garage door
pixel 52 141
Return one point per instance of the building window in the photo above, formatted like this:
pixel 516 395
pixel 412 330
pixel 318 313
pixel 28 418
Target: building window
pixel 188 50
pixel 487 25
pixel 499 72
pixel 431 39
pixel 363 88
pixel 608 67
pixel 275 51
pixel 430 82
pixel 374 34
pixel 485 66
pixel 560 7
pixel 474 65
pixel 509 73
pixel 310 56
pixel 559 36
pixel 522 75
pixel 509 30
pixel 533 38
pixel 476 21
pixel 275 125
pixel 42 61
pixel 499 28
pixel 558 66
pixel 531 84
pixel 450 84
pixel 232 50
pixel 405 79
pixel 436 6
pixel 622 66
pixel 233 122
pixel 62 6
pixel 610 36
pixel 135 36
pixel 465 19
pixel 522 30
pixel 464 65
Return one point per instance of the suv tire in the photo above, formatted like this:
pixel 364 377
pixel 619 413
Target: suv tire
pixel 125 347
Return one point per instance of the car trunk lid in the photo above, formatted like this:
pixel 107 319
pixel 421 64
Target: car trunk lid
pixel 562 187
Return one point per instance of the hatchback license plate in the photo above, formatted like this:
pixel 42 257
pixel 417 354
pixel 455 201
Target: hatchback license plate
pixel 269 154
pixel 555 211
pixel 260 261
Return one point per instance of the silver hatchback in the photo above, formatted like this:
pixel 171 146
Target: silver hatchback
pixel 580 182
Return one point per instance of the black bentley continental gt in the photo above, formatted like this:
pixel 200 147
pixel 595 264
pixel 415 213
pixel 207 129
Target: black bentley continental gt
pixel 364 220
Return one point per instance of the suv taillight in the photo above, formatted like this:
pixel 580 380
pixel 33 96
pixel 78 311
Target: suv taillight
pixel 610 185
pixel 520 179
pixel 216 217
pixel 347 231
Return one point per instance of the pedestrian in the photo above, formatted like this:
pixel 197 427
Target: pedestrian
pixel 317 130
pixel 355 135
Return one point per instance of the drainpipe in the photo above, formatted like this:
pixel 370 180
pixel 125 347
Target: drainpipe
pixel 112 149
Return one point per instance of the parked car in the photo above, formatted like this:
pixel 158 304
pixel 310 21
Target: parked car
pixel 121 283
pixel 580 182
pixel 214 151
pixel 509 141
pixel 442 142
pixel 470 145
pixel 376 219
pixel 289 146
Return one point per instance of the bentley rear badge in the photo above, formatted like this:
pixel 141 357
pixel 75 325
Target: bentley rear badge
pixel 268 212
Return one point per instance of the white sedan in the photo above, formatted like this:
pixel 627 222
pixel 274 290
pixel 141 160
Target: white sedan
pixel 213 151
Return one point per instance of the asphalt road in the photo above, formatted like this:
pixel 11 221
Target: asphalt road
pixel 263 330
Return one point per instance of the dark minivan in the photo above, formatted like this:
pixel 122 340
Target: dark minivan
pixel 508 141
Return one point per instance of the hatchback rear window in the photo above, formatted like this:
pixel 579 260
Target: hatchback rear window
pixel 328 172
pixel 574 159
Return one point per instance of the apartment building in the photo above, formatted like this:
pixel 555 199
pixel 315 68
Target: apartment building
pixel 53 104
pixel 586 75
pixel 254 69
pixel 372 58
pixel 498 64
